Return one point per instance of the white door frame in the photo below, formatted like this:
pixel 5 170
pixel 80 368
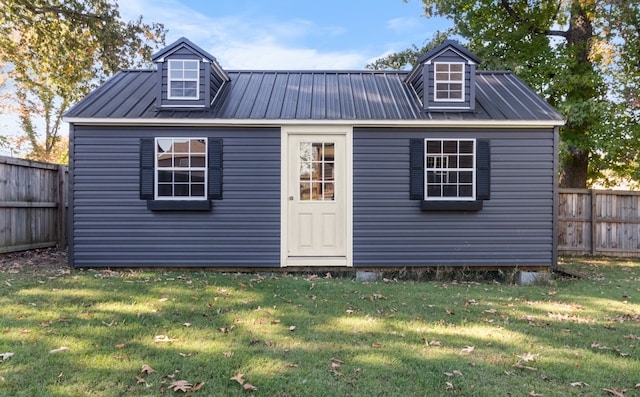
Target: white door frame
pixel 286 131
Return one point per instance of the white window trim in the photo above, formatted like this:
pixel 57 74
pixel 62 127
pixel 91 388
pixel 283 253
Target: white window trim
pixel 433 169
pixel 171 80
pixel 172 168
pixel 436 81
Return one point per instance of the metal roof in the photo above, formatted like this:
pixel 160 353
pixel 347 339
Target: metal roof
pixel 313 95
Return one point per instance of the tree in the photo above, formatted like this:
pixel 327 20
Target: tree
pixel 581 55
pixel 57 51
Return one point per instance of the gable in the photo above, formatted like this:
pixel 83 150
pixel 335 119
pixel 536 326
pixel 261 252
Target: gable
pixel 188 76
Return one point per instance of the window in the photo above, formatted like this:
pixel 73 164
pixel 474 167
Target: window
pixel 183 79
pixel 316 176
pixel 181 168
pixel 449 82
pixel 449 169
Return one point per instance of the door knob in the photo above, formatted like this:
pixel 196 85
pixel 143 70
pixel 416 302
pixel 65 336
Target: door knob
pixel 290 198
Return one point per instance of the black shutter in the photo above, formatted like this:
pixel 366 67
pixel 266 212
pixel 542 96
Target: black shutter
pixel 483 169
pixel 416 172
pixel 215 169
pixel 147 161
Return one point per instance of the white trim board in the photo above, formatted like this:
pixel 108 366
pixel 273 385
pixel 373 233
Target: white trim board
pixel 310 122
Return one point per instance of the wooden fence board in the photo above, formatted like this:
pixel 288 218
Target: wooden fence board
pixel 599 222
pixel 33 204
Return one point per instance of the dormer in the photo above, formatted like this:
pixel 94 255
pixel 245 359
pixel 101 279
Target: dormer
pixel 444 78
pixel 188 76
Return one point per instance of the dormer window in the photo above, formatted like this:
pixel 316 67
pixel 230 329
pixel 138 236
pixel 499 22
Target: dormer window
pixel 449 82
pixel 184 76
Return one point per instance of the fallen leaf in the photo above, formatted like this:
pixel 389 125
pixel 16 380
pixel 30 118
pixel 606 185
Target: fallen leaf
pixel 528 357
pixel 121 357
pixel 140 379
pixel 147 369
pixel 58 350
pixel 227 354
pixel 4 356
pixel 1 378
pixel 187 324
pixel 468 349
pixel 197 386
pixel 449 386
pixel 111 324
pixel 534 394
pixel 238 378
pixel 180 385
pixel 292 328
pixel 162 339
pixel 249 386
pixel 578 384
pixel 377 345
pixel 184 354
pixel 615 392
pixel 120 345
pixel 519 365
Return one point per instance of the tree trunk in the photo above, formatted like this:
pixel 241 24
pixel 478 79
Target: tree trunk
pixel 574 171
pixel 575 166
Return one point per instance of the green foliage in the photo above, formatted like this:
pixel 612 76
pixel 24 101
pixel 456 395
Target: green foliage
pixel 135 333
pixel 57 52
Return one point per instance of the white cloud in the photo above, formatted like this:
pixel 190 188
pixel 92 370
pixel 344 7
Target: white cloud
pixel 247 42
pixel 402 25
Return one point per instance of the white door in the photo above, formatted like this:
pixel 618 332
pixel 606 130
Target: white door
pixel 316 199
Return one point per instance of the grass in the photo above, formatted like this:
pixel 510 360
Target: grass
pixel 301 335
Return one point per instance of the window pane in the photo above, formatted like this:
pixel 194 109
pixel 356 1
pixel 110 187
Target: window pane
pixel 316 191
pixel 442 76
pixel 466 147
pixel 316 153
pixel 466 177
pixel 305 171
pixel 328 191
pixel 433 147
pixel 449 191
pixel 305 191
pixel 190 74
pixel 450 147
pixel 198 145
pixel 317 175
pixel 165 176
pixel 197 176
pixel 329 152
pixel 197 160
pixel 181 189
pixel 442 67
pixel 328 172
pixel 181 176
pixel 452 161
pixel 466 161
pixel 197 190
pixel 455 76
pixel 466 191
pixel 434 191
pixel 165 190
pixel 456 67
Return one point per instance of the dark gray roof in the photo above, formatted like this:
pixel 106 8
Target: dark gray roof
pixel 450 44
pixel 313 95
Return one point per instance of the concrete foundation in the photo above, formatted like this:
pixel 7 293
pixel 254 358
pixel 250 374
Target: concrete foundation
pixel 368 276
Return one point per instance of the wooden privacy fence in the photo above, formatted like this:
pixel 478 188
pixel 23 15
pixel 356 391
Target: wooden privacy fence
pixel 33 205
pixel 598 222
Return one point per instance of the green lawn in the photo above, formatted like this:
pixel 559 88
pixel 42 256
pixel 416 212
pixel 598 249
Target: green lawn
pixel 150 333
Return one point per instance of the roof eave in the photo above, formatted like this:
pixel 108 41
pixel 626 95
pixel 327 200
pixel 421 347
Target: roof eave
pixel 280 122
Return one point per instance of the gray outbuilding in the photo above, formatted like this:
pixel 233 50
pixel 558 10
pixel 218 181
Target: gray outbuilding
pixel 189 164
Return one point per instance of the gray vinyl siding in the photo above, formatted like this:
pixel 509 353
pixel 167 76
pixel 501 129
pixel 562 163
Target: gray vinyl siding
pixel 515 227
pixel 113 227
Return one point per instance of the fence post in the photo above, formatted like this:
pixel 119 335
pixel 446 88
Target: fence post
pixel 62 208
pixel 594 222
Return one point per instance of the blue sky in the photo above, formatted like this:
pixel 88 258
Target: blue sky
pixel 290 34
